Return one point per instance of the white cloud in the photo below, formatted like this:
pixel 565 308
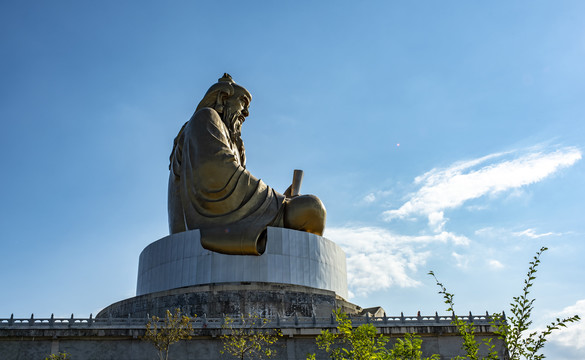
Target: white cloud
pixel 495 264
pixel 449 188
pixel 378 259
pixel 531 233
pixel 370 198
pixel 573 336
pixel 460 260
pixel 437 220
pixel 445 236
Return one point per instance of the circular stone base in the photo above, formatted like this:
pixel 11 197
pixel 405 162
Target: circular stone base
pixel 291 257
pixel 217 300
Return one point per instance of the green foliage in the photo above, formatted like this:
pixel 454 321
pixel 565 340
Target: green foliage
pixel 513 331
pixel 249 337
pixel 409 349
pixel 363 343
pixel 466 329
pixel 59 356
pixel 175 327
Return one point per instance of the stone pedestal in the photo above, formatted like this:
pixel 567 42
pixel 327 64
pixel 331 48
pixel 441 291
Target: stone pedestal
pixel 299 274
pixel 291 257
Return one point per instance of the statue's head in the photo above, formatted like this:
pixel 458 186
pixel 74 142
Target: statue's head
pixel 230 100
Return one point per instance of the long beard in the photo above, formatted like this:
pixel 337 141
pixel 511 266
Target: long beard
pixel 233 122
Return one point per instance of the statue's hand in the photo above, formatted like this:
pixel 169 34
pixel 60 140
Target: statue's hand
pixel 288 193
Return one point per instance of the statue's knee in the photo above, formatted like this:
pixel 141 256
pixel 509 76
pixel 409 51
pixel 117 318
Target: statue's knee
pixel 306 206
pixel 306 213
pixel 315 206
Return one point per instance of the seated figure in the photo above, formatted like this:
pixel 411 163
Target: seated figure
pixel 211 190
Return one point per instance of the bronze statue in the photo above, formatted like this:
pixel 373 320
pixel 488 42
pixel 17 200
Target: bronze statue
pixel 211 190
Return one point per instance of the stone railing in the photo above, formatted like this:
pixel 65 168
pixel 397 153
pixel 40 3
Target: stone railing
pixel 202 322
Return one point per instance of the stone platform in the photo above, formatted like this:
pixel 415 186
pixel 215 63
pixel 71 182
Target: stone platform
pixel 291 257
pixel 267 300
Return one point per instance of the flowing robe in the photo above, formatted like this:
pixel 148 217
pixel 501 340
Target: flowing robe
pixel 210 190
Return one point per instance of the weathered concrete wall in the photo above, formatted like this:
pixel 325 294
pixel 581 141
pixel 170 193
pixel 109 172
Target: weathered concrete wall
pixel 116 344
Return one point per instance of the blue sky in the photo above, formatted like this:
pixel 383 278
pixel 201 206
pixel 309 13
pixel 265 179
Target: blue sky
pixel 444 136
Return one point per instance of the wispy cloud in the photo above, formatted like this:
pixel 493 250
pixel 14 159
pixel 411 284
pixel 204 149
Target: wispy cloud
pixel 573 336
pixel 487 231
pixel 531 233
pixel 378 258
pixel 370 198
pixel 376 195
pixel 504 232
pixel 449 188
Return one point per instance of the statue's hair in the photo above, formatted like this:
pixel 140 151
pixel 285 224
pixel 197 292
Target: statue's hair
pixel 224 85
pixel 210 98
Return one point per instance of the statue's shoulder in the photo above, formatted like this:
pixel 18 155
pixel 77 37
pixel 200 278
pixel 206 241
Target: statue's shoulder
pixel 206 113
pixel 204 120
